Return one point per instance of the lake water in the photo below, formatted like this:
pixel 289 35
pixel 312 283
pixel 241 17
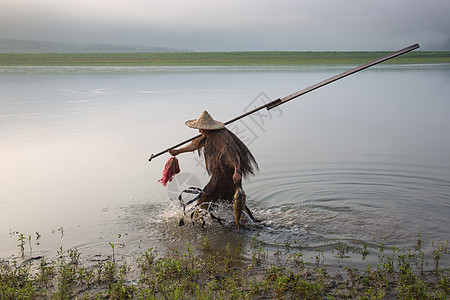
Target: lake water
pixel 363 160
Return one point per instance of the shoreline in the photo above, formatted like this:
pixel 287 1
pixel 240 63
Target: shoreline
pixel 264 58
pixel 198 271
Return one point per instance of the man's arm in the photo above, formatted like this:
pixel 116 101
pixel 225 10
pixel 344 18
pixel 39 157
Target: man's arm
pixel 189 148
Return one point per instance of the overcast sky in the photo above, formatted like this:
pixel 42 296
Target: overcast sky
pixel 211 25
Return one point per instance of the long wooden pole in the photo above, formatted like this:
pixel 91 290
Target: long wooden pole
pixel 279 101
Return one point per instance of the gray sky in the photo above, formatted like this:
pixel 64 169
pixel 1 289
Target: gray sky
pixel 210 25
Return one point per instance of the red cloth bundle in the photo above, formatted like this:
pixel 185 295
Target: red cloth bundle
pixel 170 170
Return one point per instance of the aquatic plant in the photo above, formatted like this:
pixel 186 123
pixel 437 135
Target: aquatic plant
pixel 113 246
pixel 203 274
pixel 258 252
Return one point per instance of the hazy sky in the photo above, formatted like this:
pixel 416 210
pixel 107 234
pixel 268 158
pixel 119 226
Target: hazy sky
pixel 205 25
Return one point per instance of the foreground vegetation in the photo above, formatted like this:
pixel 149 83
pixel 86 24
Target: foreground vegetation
pixel 200 273
pixel 215 58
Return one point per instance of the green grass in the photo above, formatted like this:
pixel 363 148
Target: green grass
pixel 214 58
pixel 204 274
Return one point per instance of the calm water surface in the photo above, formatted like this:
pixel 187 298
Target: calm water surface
pixel 365 159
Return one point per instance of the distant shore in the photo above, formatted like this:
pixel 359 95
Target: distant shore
pixel 216 58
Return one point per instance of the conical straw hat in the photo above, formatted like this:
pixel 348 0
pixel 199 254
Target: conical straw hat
pixel 205 121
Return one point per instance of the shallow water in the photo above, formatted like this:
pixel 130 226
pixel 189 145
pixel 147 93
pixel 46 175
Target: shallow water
pixel 363 160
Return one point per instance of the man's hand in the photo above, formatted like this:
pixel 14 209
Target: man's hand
pixel 237 177
pixel 174 152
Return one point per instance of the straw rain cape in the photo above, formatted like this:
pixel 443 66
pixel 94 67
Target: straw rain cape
pixel 222 150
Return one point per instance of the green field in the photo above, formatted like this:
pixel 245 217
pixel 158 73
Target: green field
pixel 215 58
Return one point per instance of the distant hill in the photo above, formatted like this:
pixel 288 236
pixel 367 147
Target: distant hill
pixel 26 46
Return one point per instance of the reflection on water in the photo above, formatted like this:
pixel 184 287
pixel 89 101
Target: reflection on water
pixel 364 160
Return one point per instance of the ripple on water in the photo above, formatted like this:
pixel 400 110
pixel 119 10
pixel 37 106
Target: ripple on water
pixel 317 207
pixel 356 200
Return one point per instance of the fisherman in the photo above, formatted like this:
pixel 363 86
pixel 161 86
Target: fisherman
pixel 227 160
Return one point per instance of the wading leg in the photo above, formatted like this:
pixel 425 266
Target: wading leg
pixel 251 215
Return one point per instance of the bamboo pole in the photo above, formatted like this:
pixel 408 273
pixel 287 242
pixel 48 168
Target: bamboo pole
pixel 279 101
